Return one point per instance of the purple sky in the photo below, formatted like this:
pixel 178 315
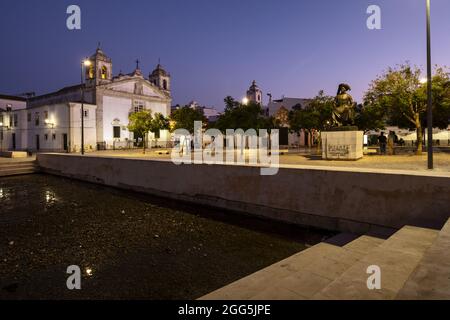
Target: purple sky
pixel 215 48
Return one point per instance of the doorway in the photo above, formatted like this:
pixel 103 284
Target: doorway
pixel 38 146
pixel 65 146
pixel 14 141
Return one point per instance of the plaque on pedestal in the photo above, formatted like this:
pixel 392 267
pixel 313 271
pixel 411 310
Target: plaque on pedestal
pixel 342 145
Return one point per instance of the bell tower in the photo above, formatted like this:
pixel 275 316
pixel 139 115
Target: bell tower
pixel 254 93
pixel 160 78
pixel 100 69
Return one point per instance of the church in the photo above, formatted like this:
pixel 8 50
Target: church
pixel 52 122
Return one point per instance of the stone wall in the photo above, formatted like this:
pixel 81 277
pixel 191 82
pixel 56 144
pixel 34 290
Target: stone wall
pixel 357 201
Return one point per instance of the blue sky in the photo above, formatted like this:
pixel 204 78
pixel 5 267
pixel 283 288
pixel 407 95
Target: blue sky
pixel 215 48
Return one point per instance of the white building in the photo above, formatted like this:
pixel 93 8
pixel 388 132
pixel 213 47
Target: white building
pixel 280 109
pixel 52 122
pixel 210 113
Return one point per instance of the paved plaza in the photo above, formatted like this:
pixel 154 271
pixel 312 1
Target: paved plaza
pixel 305 157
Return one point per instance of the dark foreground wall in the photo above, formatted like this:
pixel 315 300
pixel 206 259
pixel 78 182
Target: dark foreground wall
pixel 335 199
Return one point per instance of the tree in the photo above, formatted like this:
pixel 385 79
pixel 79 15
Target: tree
pixel 401 94
pixel 159 122
pixel 317 115
pixel 240 116
pixel 185 117
pixel 141 124
pixel 370 117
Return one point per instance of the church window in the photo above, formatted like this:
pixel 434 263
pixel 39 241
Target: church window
pixel 36 119
pixel 16 120
pixel 165 84
pixel 104 73
pixel 54 136
pixel 138 106
pixel 116 132
pixel 29 117
pixel 86 113
pixel 45 115
pixel 46 137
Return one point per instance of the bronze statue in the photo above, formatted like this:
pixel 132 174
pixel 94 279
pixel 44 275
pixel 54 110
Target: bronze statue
pixel 344 108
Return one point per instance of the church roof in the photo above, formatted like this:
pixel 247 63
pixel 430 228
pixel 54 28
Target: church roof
pixel 136 73
pixel 15 98
pixel 159 71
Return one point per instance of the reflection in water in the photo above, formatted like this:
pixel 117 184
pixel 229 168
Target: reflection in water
pixel 50 197
pixel 4 194
pixel 89 271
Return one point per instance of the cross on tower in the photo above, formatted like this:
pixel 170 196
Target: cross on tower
pixel 137 63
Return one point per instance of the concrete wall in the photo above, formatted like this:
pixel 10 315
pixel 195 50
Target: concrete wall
pixel 335 199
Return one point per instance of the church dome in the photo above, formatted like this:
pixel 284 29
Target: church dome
pixel 99 55
pixel 159 71
pixel 254 86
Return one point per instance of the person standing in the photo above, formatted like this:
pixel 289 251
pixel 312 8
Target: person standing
pixel 382 141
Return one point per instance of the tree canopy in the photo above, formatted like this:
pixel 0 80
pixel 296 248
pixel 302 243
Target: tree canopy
pixel 316 115
pixel 141 124
pixel 401 96
pixel 242 116
pixel 184 118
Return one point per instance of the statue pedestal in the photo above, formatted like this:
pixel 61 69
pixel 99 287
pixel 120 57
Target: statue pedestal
pixel 342 145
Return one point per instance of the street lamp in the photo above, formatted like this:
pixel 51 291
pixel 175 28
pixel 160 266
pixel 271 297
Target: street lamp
pixel 84 64
pixel 429 87
pixel 49 123
pixel 245 101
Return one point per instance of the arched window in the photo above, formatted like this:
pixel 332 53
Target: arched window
pixel 165 84
pixel 91 72
pixel 104 73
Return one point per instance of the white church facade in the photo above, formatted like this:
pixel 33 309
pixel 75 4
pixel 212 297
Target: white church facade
pixel 52 122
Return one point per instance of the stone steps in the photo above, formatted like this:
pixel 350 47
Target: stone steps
pixel 431 278
pixel 300 276
pixel 397 258
pixel 18 168
pixel 414 264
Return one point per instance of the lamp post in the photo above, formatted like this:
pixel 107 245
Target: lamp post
pixel 429 97
pixel 1 142
pixel 84 64
pixel 3 126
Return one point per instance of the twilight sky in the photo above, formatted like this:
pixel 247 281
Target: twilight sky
pixel 215 48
